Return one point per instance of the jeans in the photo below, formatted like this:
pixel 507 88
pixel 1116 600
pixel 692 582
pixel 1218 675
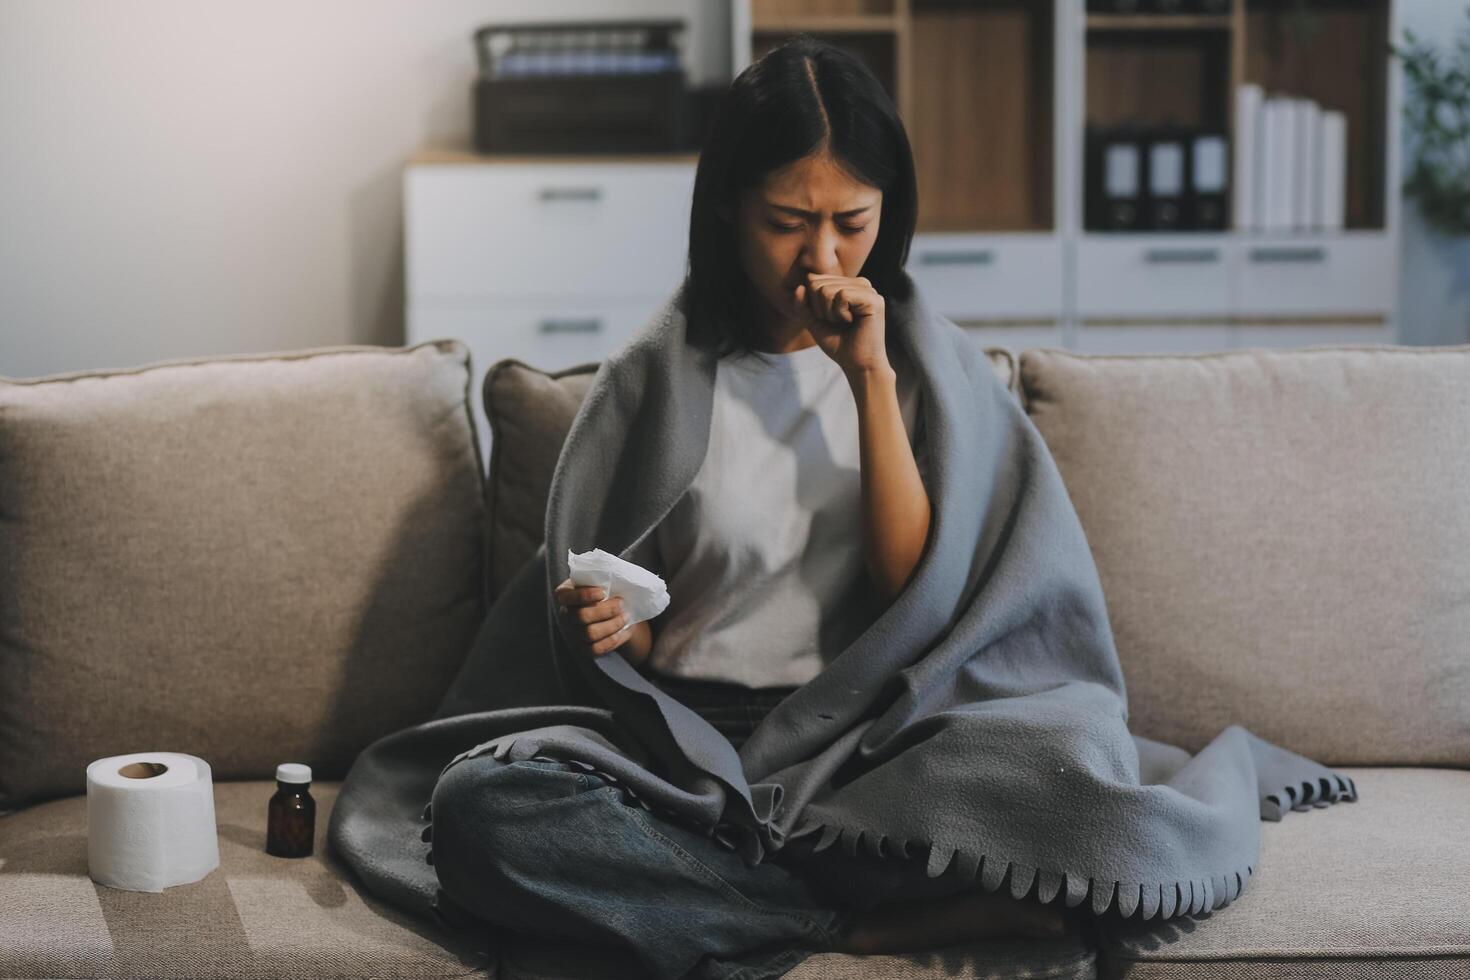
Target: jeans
pixel 733 710
pixel 541 847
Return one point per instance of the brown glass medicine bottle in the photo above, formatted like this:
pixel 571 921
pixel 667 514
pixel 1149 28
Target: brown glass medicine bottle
pixel 291 816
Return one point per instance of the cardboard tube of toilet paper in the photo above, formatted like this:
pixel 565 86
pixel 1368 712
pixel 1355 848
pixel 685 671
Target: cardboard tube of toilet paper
pixel 150 821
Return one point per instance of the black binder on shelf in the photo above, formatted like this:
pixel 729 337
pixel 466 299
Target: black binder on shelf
pixel 1113 184
pixel 1165 169
pixel 1157 178
pixel 1208 192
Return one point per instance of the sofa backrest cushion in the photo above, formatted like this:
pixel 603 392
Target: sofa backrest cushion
pixel 254 559
pixel 1283 539
pixel 530 412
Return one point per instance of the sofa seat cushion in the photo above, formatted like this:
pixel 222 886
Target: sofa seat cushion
pixel 1378 887
pixel 530 412
pixel 1073 957
pixel 253 916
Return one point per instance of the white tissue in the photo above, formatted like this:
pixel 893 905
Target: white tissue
pixel 643 593
pixel 150 821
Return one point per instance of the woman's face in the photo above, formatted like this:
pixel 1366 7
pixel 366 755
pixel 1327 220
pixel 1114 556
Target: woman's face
pixel 809 216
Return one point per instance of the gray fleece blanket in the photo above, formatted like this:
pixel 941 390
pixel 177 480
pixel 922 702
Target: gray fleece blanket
pixel 981 720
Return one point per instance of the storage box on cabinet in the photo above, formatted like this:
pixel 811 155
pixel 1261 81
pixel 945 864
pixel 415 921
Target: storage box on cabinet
pixel 546 229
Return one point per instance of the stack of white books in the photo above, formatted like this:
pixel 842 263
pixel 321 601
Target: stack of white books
pixel 1290 163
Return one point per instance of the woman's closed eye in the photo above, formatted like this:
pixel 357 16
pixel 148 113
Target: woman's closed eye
pixel 847 228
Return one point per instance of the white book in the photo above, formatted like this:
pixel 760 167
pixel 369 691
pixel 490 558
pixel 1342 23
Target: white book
pixel 1291 152
pixel 1245 162
pixel 1265 195
pixel 1334 169
pixel 1294 173
pixel 1312 171
pixel 1272 194
pixel 1307 168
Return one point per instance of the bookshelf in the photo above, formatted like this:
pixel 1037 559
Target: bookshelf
pixel 998 95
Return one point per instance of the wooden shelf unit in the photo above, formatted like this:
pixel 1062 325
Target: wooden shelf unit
pixel 997 96
pixel 975 85
pixel 1332 51
pixel 976 81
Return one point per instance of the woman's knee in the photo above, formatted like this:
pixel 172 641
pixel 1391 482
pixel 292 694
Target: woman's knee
pixel 502 834
pixel 481 786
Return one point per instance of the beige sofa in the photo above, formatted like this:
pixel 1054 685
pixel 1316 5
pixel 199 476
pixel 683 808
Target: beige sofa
pixel 283 557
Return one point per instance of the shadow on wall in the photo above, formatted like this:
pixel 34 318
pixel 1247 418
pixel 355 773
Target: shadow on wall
pixel 374 248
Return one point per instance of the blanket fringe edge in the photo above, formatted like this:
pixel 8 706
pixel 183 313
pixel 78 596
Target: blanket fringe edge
pixel 1165 899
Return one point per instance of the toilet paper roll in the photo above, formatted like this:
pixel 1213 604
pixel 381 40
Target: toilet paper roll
pixel 150 820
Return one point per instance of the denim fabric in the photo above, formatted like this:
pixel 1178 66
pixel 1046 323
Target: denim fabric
pixel 539 846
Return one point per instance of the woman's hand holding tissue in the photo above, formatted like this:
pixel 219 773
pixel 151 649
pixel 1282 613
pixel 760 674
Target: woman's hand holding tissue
pixel 611 600
pixel 599 622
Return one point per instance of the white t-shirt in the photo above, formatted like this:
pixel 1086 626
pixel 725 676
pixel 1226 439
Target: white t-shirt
pixel 763 554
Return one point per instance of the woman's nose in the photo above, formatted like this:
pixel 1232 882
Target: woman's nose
pixel 822 254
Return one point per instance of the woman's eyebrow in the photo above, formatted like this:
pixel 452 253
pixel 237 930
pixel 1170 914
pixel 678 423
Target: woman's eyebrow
pixel 813 214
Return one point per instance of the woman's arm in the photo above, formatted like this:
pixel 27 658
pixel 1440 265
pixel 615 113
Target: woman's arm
pixel 895 504
pixel 639 644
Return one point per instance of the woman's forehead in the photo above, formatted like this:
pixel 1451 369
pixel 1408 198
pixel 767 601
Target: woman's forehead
pixel 818 197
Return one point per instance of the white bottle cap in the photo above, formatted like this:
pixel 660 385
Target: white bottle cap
pixel 293 772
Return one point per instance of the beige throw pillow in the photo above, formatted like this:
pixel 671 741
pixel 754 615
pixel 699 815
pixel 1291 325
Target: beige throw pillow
pixel 1283 538
pixel 254 559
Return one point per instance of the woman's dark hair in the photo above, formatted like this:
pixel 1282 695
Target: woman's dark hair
pixel 802 96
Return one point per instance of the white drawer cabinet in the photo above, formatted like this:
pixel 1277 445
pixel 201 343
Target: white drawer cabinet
pixel 1163 276
pixel 1153 275
pixel 989 277
pixel 552 262
pixel 1349 274
pixel 551 337
pixel 546 229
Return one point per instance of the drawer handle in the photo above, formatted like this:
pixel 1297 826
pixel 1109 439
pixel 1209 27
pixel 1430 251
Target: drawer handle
pixel 981 256
pixel 589 325
pixel 1181 255
pixel 571 193
pixel 1288 253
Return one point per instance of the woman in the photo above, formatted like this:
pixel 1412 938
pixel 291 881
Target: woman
pixel 810 510
pixel 963 765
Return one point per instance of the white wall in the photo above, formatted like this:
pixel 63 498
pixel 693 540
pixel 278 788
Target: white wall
pixel 182 178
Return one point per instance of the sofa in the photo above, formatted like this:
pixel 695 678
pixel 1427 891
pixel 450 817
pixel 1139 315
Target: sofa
pixel 283 557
